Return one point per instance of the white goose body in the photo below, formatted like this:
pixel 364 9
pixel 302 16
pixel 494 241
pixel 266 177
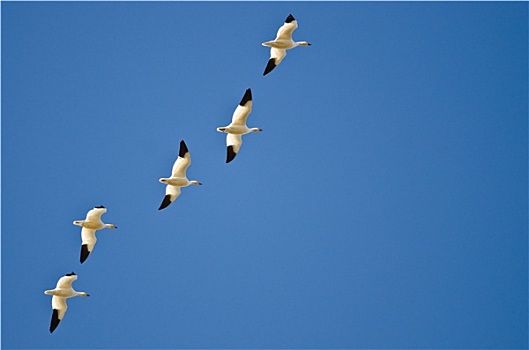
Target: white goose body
pixel 177 181
pixel 281 43
pixel 238 127
pixel 90 225
pixel 178 177
pixel 62 291
pixel 285 44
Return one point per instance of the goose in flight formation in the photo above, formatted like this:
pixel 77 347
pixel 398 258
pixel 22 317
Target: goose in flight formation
pixel 178 177
pixel 62 291
pixel 238 127
pixel 90 225
pixel 282 43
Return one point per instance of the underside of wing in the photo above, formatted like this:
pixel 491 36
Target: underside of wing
pixel 182 162
pixel 269 66
pixel 54 320
pixel 58 304
pixel 286 30
pixel 233 143
pixel 171 193
pixel 246 98
pixel 180 166
pixel 95 214
pixel 276 56
pixel 85 251
pixel 243 109
pixel 183 149
pixel 88 238
pixel 66 281
pixel 165 202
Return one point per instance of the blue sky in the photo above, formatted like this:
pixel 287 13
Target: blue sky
pixel 383 206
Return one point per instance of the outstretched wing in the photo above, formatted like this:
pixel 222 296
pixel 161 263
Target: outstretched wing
pixel 276 56
pixel 88 237
pixel 171 193
pixel 243 109
pixel 234 143
pixel 182 162
pixel 66 281
pixel 286 30
pixel 95 214
pixel 58 304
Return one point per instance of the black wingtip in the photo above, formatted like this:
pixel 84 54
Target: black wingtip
pixel 71 274
pixel 247 97
pixel 230 155
pixel 54 320
pixel 100 207
pixel 270 66
pixel 166 201
pixel 84 253
pixel 289 19
pixel 183 149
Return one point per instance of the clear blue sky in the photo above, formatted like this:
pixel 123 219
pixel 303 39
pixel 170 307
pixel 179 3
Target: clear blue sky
pixel 383 206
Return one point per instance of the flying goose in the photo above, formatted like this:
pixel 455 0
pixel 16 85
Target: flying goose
pixel 238 127
pixel 178 177
pixel 62 291
pixel 90 225
pixel 282 43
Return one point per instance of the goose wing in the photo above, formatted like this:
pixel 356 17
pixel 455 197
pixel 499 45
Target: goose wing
pixel 95 214
pixel 59 306
pixel 171 193
pixel 276 56
pixel 234 142
pixel 66 280
pixel 243 109
pixel 182 162
pixel 88 237
pixel 286 30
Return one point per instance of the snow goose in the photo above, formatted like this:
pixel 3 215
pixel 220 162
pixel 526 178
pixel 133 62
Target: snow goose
pixel 178 177
pixel 62 291
pixel 238 127
pixel 90 225
pixel 282 43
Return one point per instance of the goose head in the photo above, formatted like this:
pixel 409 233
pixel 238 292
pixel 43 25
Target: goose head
pixel 303 43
